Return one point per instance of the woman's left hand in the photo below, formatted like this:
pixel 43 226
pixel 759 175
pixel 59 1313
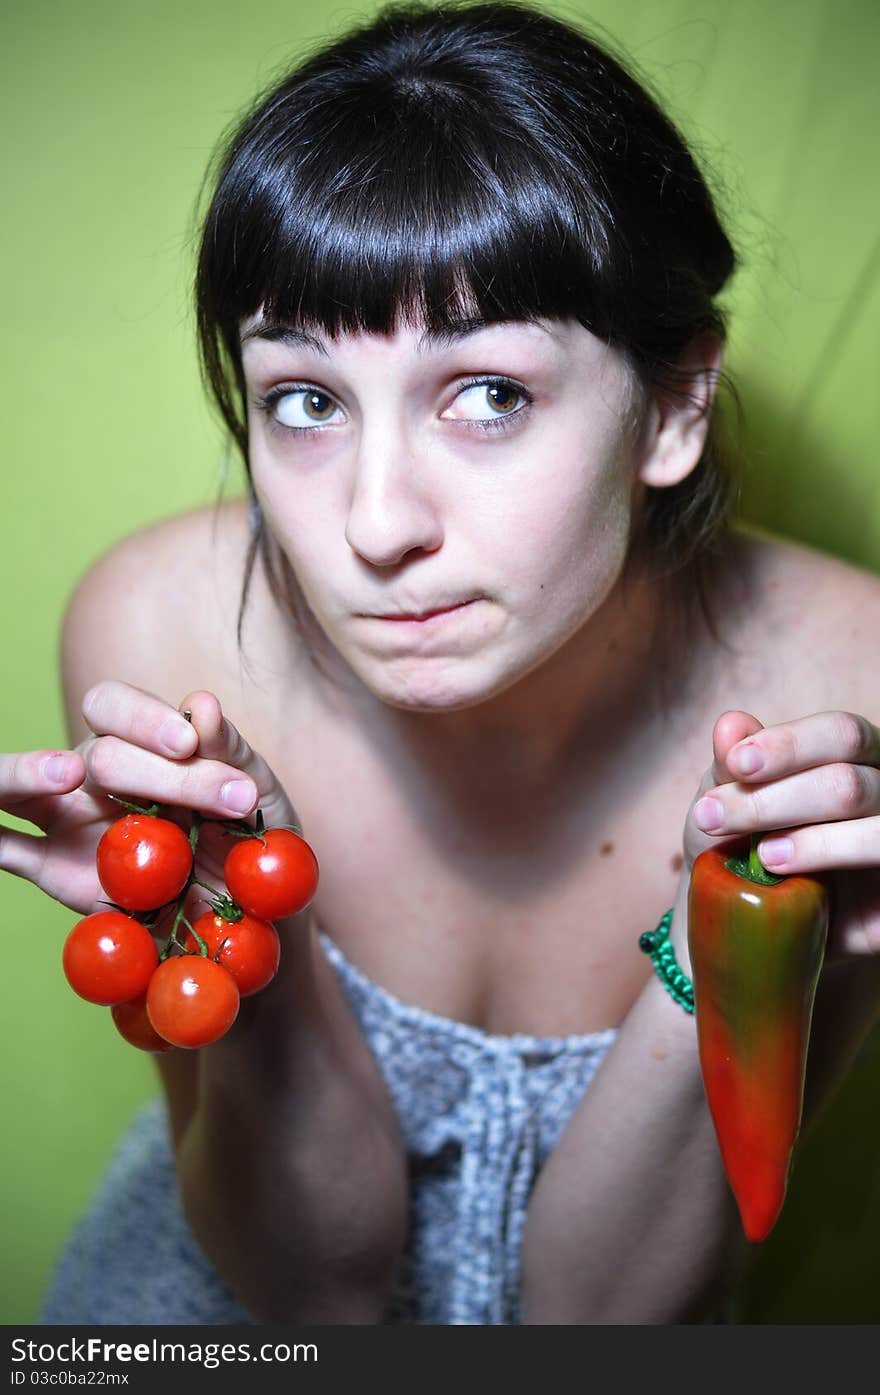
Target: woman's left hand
pixel 816 794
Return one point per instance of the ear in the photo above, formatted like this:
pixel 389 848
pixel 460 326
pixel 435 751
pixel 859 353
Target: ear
pixel 676 422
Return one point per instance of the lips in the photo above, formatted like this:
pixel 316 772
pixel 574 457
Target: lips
pixel 423 617
pixel 421 614
pixel 424 614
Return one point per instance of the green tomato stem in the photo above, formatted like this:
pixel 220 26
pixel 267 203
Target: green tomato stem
pixel 150 809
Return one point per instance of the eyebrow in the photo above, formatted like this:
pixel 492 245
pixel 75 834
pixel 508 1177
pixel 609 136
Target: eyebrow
pixel 291 336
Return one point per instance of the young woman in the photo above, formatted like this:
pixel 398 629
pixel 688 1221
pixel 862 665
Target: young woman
pixel 485 629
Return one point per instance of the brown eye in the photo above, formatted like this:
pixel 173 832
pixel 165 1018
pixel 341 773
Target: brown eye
pixel 488 402
pixel 318 406
pixel 502 396
pixel 298 408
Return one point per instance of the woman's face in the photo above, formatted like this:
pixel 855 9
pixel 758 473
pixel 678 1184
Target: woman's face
pixel 493 473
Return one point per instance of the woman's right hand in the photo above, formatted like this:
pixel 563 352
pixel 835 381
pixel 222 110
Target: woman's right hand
pixel 268 1119
pixel 139 748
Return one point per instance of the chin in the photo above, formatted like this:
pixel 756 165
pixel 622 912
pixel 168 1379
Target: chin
pixel 438 694
pixel 434 686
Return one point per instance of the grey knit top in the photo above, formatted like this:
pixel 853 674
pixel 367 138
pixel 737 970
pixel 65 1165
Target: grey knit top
pixel 479 1113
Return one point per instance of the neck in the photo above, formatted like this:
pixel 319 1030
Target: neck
pixel 580 721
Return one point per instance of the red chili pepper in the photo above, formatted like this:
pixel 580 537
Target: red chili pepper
pixel 757 943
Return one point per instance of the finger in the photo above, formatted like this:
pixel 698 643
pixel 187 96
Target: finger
pixel 22 854
pixel 820 739
pixel 133 714
pixel 220 740
pixel 730 730
pixel 212 787
pixel 706 813
pixel 823 847
pixel 62 875
pixel 830 792
pixel 28 774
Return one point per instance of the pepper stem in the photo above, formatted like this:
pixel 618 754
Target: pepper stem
pixel 756 866
pixel 751 868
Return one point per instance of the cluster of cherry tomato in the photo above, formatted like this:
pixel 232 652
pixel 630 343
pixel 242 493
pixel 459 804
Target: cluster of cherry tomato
pixel 186 993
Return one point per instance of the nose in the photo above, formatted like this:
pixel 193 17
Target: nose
pixel 392 511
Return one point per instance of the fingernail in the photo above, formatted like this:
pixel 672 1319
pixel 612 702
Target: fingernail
pixel 747 759
pixel 776 850
pixel 239 795
pixel 55 769
pixel 176 735
pixel 709 814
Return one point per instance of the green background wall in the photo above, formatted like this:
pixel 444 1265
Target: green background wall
pixel 110 111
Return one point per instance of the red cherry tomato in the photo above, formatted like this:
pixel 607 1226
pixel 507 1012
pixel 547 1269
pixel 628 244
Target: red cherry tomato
pixel 109 958
pixel 132 1022
pixel 251 948
pixel 272 875
pixel 191 1001
pixel 143 861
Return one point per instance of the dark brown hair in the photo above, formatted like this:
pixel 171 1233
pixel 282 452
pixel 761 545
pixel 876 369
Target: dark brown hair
pixel 458 159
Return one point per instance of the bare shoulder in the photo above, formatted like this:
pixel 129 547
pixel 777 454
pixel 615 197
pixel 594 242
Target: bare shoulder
pixel 159 608
pixel 171 551
pixel 819 616
pixel 812 586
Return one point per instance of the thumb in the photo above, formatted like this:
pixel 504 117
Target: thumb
pixel 220 740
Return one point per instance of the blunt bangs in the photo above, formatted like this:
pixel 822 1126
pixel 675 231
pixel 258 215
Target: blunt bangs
pixel 420 204
pixel 405 236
